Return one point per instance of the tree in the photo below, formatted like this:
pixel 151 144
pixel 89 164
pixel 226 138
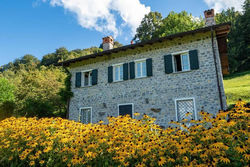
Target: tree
pixel 6 90
pixel 238 37
pixel 28 62
pixel 6 98
pixel 239 42
pixel 179 22
pixel 153 26
pixel 60 54
pixel 150 24
pixel 38 91
pixel 229 15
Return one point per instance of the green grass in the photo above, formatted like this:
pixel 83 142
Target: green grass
pixel 237 86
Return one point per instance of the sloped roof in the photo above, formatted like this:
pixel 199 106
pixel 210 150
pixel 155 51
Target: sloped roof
pixel 221 29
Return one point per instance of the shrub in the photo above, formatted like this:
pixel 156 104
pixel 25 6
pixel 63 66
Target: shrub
pixel 212 141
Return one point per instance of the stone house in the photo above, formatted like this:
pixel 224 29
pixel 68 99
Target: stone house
pixel 164 78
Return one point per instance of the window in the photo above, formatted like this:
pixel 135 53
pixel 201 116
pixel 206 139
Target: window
pixel 125 109
pixel 85 115
pixel 118 72
pixel 181 62
pixel 140 68
pixel 183 107
pixel 87 78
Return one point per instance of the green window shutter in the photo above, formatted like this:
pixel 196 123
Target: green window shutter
pixel 168 63
pixel 149 67
pixel 110 74
pixel 94 77
pixel 125 71
pixel 132 70
pixel 78 79
pixel 193 58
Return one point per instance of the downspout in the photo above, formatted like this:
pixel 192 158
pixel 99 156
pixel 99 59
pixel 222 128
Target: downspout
pixel 216 70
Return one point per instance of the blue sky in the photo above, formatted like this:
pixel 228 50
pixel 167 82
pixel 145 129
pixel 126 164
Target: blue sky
pixel 38 27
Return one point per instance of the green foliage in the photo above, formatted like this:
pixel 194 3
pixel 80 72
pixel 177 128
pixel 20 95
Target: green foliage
pixel 150 24
pixel 179 22
pixel 239 44
pixel 238 37
pixel 52 58
pixel 42 90
pixel 6 90
pixel 63 54
pixel 37 91
pixel 237 86
pixel 28 62
pixel 154 26
pixel 229 15
pixel 7 98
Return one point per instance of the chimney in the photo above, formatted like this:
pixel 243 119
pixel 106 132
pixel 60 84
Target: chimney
pixel 107 43
pixel 209 17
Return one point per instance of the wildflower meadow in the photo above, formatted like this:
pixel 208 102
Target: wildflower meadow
pixel 221 140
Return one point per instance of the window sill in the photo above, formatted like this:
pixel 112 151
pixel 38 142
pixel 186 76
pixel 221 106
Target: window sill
pixel 84 86
pixel 141 77
pixel 182 72
pixel 119 81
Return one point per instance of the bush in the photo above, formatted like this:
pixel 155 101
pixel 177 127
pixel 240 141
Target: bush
pixel 212 141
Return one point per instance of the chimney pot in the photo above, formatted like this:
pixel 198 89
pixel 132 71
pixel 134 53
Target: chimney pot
pixel 107 43
pixel 209 17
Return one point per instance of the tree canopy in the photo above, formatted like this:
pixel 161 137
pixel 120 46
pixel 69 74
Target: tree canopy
pixel 238 37
pixel 154 26
pixel 149 27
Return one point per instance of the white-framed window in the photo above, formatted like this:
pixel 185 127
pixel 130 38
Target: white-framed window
pixel 117 72
pixel 126 109
pixel 140 68
pixel 181 62
pixel 87 78
pixel 85 115
pixel 183 106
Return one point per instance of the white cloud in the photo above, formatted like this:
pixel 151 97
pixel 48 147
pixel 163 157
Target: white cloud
pixel 219 5
pixel 100 14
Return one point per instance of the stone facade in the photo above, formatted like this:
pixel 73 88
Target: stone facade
pixel 156 92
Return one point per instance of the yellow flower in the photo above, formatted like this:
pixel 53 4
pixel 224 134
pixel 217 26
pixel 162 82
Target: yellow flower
pixel 101 122
pixel 185 159
pixel 140 165
pixel 224 160
pixel 246 156
pixel 162 161
pixel 136 114
pixel 32 163
pixel 124 139
pixel 41 162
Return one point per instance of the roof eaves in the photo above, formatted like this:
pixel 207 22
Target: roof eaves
pixel 141 44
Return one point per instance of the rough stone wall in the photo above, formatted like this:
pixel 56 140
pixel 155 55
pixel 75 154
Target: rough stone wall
pixel 160 90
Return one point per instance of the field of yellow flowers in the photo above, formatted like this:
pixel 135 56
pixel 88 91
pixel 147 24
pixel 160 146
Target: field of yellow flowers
pixel 212 141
